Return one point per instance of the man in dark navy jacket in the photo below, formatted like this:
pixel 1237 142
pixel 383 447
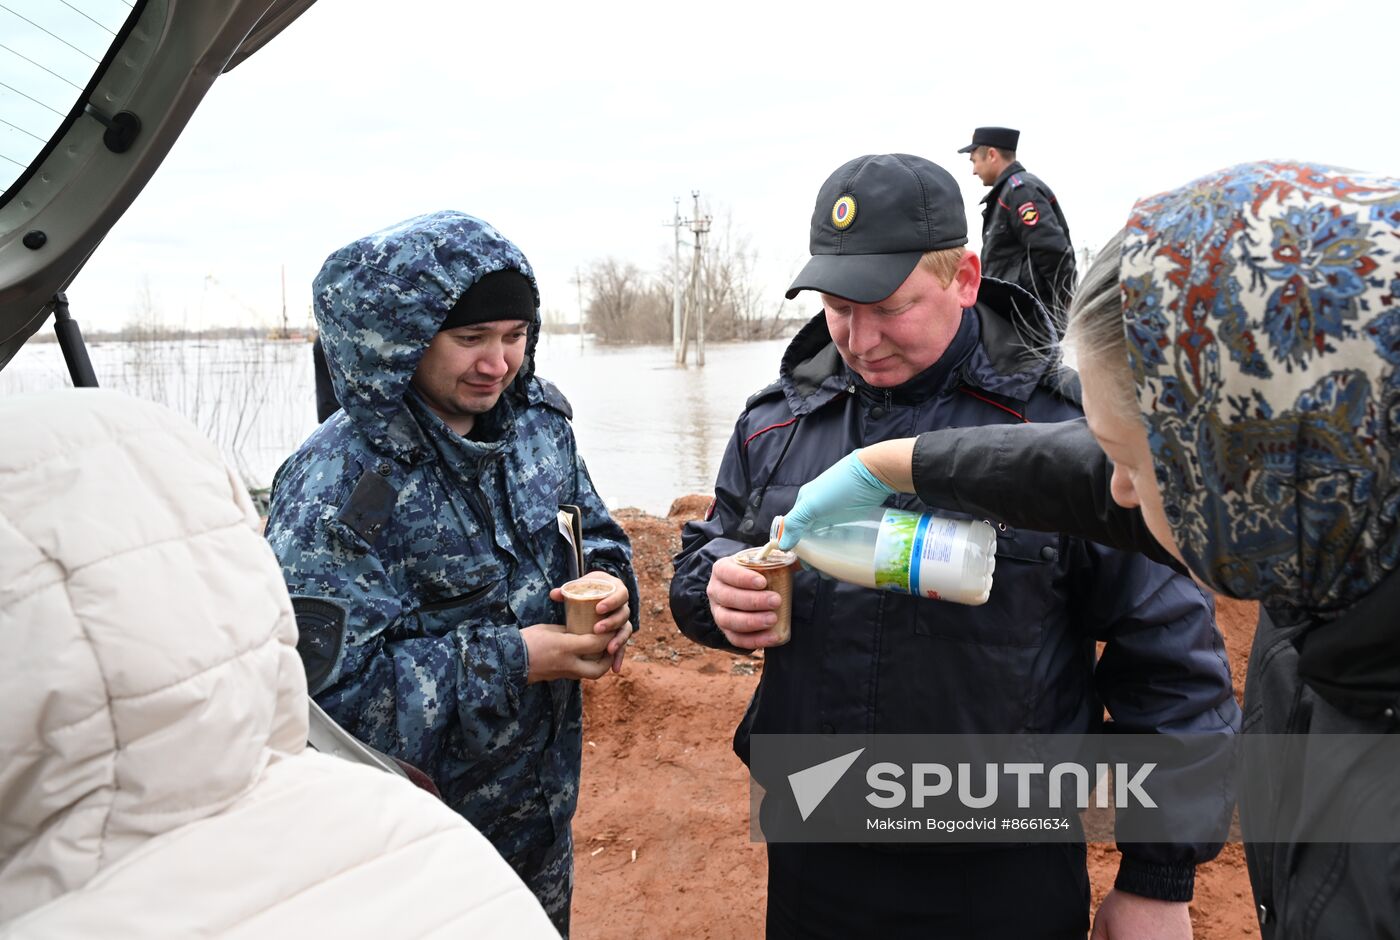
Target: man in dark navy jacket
pixel 1025 238
pixel 912 338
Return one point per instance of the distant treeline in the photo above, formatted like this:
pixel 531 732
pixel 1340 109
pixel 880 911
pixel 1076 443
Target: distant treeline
pixel 625 304
pixel 145 333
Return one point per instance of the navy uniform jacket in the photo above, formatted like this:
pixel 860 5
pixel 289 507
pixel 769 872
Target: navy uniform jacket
pixel 1025 238
pixel 863 661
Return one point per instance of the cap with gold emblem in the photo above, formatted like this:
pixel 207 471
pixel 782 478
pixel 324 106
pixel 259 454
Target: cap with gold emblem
pixel 874 218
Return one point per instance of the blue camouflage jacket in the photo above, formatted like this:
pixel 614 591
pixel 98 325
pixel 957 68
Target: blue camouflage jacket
pixel 434 550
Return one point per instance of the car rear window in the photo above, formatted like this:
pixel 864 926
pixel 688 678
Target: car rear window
pixel 51 53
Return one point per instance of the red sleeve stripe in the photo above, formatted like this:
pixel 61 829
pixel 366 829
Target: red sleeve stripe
pixel 995 404
pixel 771 427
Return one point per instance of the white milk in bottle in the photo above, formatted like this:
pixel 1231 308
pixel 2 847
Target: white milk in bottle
pixel 924 554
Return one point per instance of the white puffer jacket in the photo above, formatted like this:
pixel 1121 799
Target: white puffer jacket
pixel 154 780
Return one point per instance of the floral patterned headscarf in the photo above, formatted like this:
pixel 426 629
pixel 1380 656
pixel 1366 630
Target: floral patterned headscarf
pixel 1262 309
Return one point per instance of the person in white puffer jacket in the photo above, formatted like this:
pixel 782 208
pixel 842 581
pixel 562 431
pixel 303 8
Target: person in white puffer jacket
pixel 154 774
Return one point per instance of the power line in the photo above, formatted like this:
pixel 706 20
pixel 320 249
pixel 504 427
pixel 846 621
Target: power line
pixel 85 16
pixel 22 166
pixel 49 32
pixel 33 99
pixel 37 65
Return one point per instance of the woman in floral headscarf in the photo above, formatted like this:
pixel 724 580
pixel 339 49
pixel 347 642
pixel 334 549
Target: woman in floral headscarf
pixel 1239 344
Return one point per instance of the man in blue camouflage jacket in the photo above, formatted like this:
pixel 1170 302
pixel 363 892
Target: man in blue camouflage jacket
pixel 418 532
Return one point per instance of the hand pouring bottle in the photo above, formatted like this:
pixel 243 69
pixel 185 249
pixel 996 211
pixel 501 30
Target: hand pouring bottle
pixel 924 554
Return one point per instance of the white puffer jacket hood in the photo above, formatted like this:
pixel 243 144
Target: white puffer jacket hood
pixel 153 715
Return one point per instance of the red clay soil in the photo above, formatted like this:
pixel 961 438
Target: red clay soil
pixel 662 845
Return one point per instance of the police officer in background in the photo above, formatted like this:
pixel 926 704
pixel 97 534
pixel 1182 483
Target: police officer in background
pixel 1025 239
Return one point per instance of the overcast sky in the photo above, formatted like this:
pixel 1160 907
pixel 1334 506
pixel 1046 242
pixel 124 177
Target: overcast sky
pixel 571 127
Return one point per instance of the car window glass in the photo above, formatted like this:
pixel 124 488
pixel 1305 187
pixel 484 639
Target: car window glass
pixel 49 52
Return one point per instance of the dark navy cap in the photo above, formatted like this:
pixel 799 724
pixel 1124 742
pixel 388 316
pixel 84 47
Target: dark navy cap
pixel 1002 138
pixel 874 218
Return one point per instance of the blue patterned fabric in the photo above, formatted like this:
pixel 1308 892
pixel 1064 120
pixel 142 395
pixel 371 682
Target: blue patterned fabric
pixel 1262 309
pixel 439 580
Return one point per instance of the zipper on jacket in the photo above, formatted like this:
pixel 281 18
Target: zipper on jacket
pixel 748 525
pixel 524 546
pixel 483 512
pixel 461 600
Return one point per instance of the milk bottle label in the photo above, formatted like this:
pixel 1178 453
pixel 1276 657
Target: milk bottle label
pixel 917 554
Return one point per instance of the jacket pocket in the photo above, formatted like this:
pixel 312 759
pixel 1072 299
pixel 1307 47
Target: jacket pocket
pixel 484 605
pixel 1026 546
pixel 1023 595
pixel 461 600
pixel 552 552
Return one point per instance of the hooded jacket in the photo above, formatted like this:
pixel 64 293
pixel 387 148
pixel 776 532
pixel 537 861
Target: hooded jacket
pixel 154 780
pixel 863 661
pixel 420 554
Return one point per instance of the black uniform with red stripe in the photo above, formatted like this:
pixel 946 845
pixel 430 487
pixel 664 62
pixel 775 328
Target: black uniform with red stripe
pixel 863 661
pixel 1025 239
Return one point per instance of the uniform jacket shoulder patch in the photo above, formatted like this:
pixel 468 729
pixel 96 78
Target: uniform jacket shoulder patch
pixel 371 503
pixel 320 636
pixel 1029 213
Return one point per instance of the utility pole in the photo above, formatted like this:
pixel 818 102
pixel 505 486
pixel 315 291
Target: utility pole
pixel 286 328
pixel 699 227
pixel 676 285
pixel 578 282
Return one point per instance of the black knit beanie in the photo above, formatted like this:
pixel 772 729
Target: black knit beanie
pixel 501 295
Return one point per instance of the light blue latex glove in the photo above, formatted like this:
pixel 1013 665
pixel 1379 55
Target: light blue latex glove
pixel 846 484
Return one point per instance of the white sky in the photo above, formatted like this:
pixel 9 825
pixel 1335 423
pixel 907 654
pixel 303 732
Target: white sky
pixel 572 126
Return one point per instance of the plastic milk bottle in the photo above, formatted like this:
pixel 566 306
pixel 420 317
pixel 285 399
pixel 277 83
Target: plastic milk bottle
pixel 896 550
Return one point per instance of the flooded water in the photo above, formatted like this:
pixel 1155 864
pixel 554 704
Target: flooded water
pixel 649 430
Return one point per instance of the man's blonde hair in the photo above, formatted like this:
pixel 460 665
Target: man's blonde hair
pixel 943 263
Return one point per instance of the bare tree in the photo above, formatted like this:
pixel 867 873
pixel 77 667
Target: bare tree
pixel 736 305
pixel 626 305
pixel 552 321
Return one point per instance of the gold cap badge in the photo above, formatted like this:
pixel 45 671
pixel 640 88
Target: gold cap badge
pixel 843 213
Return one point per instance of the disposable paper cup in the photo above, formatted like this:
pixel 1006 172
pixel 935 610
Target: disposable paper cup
pixel 581 599
pixel 777 568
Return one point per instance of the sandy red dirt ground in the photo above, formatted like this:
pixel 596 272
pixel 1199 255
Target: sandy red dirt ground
pixel 662 845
